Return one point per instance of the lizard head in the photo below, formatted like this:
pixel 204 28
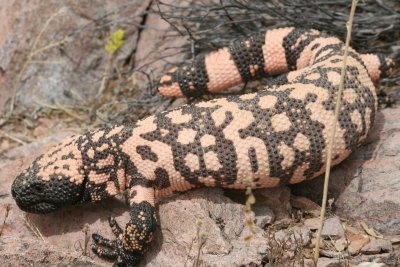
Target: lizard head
pixel 55 179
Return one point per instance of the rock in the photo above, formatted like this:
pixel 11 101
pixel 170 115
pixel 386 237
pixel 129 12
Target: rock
pixel 390 259
pixel 341 244
pixel 328 262
pixel 331 253
pixel 376 246
pixel 306 263
pixel 15 251
pixel 356 244
pixel 352 231
pixel 371 264
pixel 365 185
pixel 264 216
pixel 394 239
pixel 68 71
pixel 271 204
pixel 294 237
pixel 306 205
pixel 312 223
pixel 332 229
pixel 220 220
pixel 277 199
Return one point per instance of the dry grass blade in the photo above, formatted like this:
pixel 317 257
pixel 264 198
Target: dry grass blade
pixel 201 239
pixel 33 228
pixel 333 131
pixel 11 137
pixel 370 231
pixel 8 207
pixel 66 110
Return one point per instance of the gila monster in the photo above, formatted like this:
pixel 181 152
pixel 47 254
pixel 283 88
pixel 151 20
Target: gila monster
pixel 275 136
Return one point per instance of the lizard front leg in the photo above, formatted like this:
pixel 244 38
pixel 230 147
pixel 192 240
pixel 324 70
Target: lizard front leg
pixel 131 244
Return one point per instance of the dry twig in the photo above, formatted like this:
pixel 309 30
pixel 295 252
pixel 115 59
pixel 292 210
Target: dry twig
pixel 333 130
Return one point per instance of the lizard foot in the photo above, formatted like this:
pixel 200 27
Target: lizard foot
pixel 115 249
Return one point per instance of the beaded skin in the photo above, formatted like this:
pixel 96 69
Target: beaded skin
pixel 276 136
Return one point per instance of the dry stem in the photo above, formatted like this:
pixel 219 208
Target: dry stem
pixel 333 131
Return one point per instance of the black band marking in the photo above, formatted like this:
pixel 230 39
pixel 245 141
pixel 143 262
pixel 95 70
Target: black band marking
pixel 193 79
pixel 248 53
pixel 292 52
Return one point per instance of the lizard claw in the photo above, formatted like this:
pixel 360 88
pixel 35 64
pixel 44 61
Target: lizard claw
pixel 110 252
pixel 114 249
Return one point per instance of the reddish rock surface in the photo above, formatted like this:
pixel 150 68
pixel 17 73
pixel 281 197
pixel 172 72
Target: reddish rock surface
pixel 327 262
pixel 37 70
pixel 356 245
pixel 59 56
pixel 29 252
pixel 202 213
pixel 365 187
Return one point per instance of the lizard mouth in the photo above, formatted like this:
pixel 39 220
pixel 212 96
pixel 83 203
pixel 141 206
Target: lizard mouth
pixel 42 207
